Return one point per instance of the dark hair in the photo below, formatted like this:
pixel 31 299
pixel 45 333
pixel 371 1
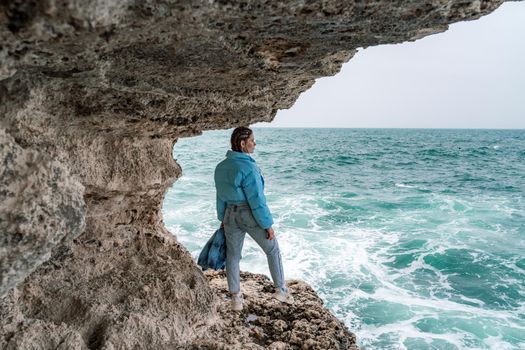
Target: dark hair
pixel 239 134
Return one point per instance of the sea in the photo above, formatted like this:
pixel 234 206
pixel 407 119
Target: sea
pixel 415 238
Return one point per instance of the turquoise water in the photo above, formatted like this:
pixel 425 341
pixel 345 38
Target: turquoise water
pixel 414 238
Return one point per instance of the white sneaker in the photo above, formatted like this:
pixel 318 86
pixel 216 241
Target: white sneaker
pixel 237 302
pixel 283 296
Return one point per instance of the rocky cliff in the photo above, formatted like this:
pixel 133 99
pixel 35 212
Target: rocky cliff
pixel 93 96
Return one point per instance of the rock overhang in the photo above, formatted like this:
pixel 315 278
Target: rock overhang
pixel 164 68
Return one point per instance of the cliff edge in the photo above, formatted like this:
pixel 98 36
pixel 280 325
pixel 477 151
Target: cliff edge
pixel 93 96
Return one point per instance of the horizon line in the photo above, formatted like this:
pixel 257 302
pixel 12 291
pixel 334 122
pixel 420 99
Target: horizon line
pixel 361 127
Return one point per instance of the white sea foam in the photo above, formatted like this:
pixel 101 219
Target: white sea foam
pixel 404 330
pixel 404 185
pixel 496 343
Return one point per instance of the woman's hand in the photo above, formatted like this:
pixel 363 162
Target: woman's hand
pixel 270 233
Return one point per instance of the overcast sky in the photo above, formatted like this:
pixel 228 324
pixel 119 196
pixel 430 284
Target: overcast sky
pixel 471 76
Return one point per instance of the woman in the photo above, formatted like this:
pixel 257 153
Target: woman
pixel 241 208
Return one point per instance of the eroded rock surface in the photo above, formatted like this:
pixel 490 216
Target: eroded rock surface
pixel 41 206
pixel 93 96
pixel 265 323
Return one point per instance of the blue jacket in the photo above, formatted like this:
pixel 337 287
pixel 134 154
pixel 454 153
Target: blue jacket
pixel 239 180
pixel 213 255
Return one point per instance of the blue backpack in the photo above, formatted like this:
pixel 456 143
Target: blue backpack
pixel 213 255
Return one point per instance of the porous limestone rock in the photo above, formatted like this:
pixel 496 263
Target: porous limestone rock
pixel 266 323
pixel 41 206
pixel 93 96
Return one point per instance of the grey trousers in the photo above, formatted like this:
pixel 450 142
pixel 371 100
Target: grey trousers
pixel 237 221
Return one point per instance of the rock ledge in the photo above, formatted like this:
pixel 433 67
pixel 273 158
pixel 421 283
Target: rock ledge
pixel 266 323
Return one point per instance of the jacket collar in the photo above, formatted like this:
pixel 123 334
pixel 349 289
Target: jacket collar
pixel 238 155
